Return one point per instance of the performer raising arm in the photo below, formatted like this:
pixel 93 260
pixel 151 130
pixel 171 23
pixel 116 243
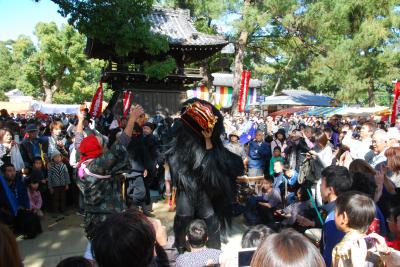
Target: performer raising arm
pixel 203 171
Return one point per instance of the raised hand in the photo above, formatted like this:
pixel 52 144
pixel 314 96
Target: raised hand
pixel 136 111
pixel 80 116
pixel 207 133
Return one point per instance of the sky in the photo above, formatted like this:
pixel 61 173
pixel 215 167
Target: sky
pixel 19 17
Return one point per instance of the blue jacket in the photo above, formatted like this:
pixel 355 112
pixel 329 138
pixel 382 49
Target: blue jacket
pixel 259 153
pixel 13 197
pixel 293 180
pixel 331 236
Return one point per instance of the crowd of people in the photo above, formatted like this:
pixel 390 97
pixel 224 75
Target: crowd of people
pixel 320 191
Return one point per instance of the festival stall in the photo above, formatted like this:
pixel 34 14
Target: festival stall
pixel 320 111
pixel 345 111
pixel 289 111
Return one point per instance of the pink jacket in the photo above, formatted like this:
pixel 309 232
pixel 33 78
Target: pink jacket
pixel 35 199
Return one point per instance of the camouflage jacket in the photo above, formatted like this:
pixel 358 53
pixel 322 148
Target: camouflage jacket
pixel 102 196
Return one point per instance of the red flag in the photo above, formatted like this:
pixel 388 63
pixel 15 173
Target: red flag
pixel 244 88
pixel 396 102
pixel 97 102
pixel 127 102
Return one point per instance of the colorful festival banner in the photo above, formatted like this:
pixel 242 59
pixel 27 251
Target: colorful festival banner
pixel 244 87
pixel 223 96
pixel 251 97
pixel 127 102
pixel 199 92
pixel 396 102
pixel 97 102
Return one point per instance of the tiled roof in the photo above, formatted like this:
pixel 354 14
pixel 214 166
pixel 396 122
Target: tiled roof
pixel 177 25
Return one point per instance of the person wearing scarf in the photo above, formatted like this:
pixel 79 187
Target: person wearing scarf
pixel 97 171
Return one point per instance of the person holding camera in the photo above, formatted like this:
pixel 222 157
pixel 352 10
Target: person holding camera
pixel 361 146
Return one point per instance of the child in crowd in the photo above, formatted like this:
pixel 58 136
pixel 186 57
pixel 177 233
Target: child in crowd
pixel 35 198
pixel 41 175
pixel 59 181
pixel 354 213
pixel 275 157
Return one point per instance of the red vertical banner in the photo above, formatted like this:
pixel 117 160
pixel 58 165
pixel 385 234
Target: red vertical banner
pixel 244 88
pixel 396 102
pixel 127 102
pixel 97 102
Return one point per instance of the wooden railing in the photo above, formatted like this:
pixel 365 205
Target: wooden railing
pixel 136 69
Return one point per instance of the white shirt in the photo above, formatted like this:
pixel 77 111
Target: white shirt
pixel 358 149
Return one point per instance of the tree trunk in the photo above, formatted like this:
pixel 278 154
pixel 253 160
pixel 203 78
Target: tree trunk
pixel 207 79
pixel 371 93
pixel 240 51
pixel 48 95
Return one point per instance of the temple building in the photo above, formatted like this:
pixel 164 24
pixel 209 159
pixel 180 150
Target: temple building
pixel 186 45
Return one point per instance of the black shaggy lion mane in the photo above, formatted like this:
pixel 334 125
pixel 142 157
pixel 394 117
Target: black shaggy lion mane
pixel 193 168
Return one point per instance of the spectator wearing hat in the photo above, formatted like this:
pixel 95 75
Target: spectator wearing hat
pixel 234 146
pixel 33 146
pixel 279 140
pixel 59 181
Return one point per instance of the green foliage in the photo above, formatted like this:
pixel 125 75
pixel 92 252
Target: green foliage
pixel 344 48
pixel 58 63
pixel 159 69
pixel 120 23
pixel 6 78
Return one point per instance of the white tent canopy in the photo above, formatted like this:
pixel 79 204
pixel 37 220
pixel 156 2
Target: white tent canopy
pixel 298 98
pixel 56 108
pixel 359 111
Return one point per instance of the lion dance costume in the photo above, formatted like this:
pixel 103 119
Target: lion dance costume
pixel 205 179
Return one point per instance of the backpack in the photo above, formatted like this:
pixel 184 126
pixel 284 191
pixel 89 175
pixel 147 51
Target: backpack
pixel 307 171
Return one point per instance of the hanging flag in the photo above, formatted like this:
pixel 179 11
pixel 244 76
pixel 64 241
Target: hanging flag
pixel 223 96
pixel 97 102
pixel 249 133
pixel 199 92
pixel 244 87
pixel 251 97
pixel 396 102
pixel 127 102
